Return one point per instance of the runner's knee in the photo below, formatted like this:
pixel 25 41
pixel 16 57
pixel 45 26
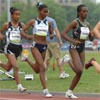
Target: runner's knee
pixel 42 68
pixel 79 71
pixel 15 68
pixel 8 69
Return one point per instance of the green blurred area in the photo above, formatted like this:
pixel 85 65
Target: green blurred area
pixel 62 14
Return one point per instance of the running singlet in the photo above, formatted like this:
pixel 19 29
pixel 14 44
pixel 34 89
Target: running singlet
pixel 82 31
pixel 41 27
pixel 13 34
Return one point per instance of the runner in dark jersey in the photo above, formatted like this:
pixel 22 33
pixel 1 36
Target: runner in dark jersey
pixel 80 31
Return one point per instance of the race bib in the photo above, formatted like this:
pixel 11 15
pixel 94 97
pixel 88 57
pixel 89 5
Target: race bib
pixel 84 33
pixel 73 46
pixel 15 37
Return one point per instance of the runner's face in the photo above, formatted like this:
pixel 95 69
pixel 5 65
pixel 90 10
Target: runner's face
pixel 16 15
pixel 44 12
pixel 84 12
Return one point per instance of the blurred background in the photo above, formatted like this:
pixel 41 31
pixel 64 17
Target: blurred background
pixel 64 11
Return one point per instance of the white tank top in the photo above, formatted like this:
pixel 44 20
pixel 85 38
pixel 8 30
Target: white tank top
pixel 41 27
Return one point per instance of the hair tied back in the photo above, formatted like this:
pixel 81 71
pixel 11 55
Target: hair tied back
pixel 39 4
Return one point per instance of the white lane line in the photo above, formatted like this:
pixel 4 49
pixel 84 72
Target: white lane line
pixel 14 99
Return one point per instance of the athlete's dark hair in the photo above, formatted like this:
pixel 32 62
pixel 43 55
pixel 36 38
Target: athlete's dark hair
pixel 12 10
pixel 79 8
pixel 40 6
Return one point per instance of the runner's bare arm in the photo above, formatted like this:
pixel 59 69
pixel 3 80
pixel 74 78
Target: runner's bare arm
pixel 51 31
pixel 91 35
pixel 96 30
pixel 70 27
pixel 3 29
pixel 24 34
pixel 29 24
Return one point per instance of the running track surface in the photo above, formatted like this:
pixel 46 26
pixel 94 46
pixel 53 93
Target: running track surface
pixel 39 96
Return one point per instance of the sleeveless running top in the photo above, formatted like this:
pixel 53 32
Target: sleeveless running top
pixel 82 31
pixel 13 34
pixel 41 27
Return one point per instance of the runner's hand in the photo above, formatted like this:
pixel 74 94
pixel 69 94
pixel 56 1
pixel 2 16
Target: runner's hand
pixel 51 36
pixel 60 44
pixel 77 42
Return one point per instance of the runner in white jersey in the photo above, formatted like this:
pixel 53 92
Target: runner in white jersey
pixel 40 30
pixel 13 47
